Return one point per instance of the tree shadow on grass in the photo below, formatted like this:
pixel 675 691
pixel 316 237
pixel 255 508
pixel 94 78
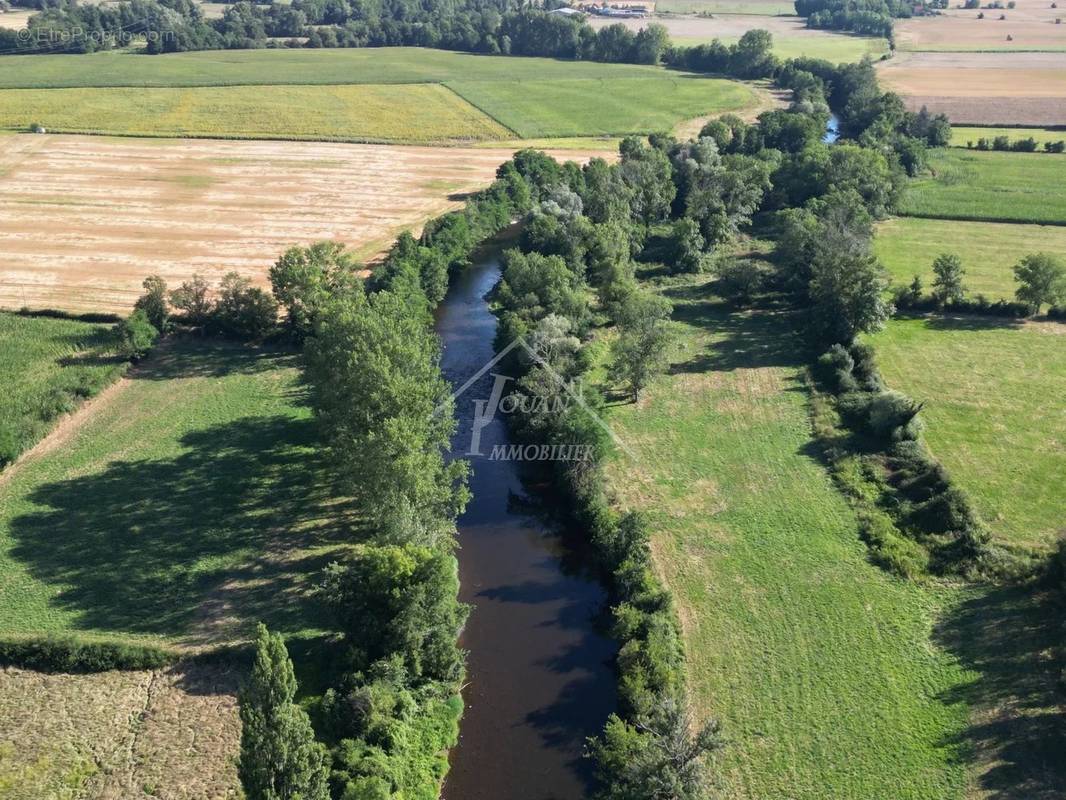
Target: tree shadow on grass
pixel 1010 636
pixel 952 322
pixel 201 545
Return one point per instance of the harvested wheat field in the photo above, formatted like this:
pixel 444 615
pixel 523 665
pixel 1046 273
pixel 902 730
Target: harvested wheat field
pixel 84 219
pixel 982 88
pixel 166 733
pixel 1030 26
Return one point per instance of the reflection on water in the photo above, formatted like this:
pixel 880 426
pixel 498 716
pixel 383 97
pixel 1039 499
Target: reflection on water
pixel 539 672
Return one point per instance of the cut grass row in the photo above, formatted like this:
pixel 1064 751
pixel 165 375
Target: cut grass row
pixel 820 666
pixel 463 111
pixel 992 391
pixel 993 186
pixel 907 246
pixel 49 365
pixel 186 507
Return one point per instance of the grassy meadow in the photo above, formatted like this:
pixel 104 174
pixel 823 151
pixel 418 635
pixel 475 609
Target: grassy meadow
pixel 961 135
pixel 49 366
pixel 423 113
pixel 835 47
pixel 821 667
pixel 186 507
pixel 989 250
pixel 994 414
pixel 1010 187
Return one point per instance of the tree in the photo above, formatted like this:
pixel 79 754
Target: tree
pixel 193 298
pixel 847 288
pixel 947 286
pixel 655 758
pixel 154 302
pixel 135 335
pixel 385 412
pixel 1042 279
pixel 303 276
pixel 644 337
pixel 279 758
pixel 244 310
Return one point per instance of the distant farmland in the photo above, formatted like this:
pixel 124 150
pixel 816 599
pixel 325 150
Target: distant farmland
pixel 83 220
pixel 968 184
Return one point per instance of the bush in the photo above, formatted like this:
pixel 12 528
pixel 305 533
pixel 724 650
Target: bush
pixel 893 415
pixel 245 311
pixel 72 655
pixel 135 335
pixel 739 280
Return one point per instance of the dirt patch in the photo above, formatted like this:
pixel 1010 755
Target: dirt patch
pixel 983 88
pixel 84 219
pixel 170 733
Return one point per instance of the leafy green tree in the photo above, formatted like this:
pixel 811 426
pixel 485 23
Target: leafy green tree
pixel 386 414
pixel 243 310
pixel 641 349
pixel 651 44
pixel 154 302
pixel 847 288
pixel 304 276
pixel 648 178
pixel 193 299
pixel 655 758
pixel 534 285
pixel 135 335
pixel 1041 279
pixel 688 246
pixel 947 285
pixel 279 759
pixel 400 600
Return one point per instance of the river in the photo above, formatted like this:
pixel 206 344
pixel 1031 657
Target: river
pixel 539 674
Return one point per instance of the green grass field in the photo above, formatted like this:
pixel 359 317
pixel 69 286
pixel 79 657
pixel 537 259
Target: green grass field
pixel 535 109
pixel 188 505
pixel 960 136
pixel 49 365
pixel 422 113
pixel 1008 187
pixel 482 98
pixel 989 250
pixel 820 666
pixel 994 413
pixel 372 65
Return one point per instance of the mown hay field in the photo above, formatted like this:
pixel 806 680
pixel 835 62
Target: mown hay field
pixel 83 220
pixel 1022 88
pixel 419 114
pixel 182 506
pixel 169 734
pixel 963 136
pixel 758 7
pixel 49 365
pixel 994 186
pixel 821 667
pixel 989 250
pixel 994 414
pixel 1030 24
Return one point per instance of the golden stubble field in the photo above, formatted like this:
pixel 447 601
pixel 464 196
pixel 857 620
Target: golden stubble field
pixel 982 88
pixel 1030 26
pixel 84 219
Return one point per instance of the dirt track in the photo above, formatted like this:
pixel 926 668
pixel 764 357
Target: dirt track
pixel 84 219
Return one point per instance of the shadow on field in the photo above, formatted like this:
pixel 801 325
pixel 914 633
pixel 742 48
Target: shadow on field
pixel 948 322
pixel 201 545
pixel 1009 637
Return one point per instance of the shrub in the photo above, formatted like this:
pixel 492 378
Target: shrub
pixel 739 280
pixel 893 415
pixel 72 655
pixel 243 310
pixel 135 335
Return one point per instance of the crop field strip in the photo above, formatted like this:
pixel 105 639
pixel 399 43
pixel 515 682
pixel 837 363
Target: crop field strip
pixel 963 136
pixel 990 186
pixel 992 391
pixel 907 247
pixel 802 648
pixel 117 210
pixel 1030 24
